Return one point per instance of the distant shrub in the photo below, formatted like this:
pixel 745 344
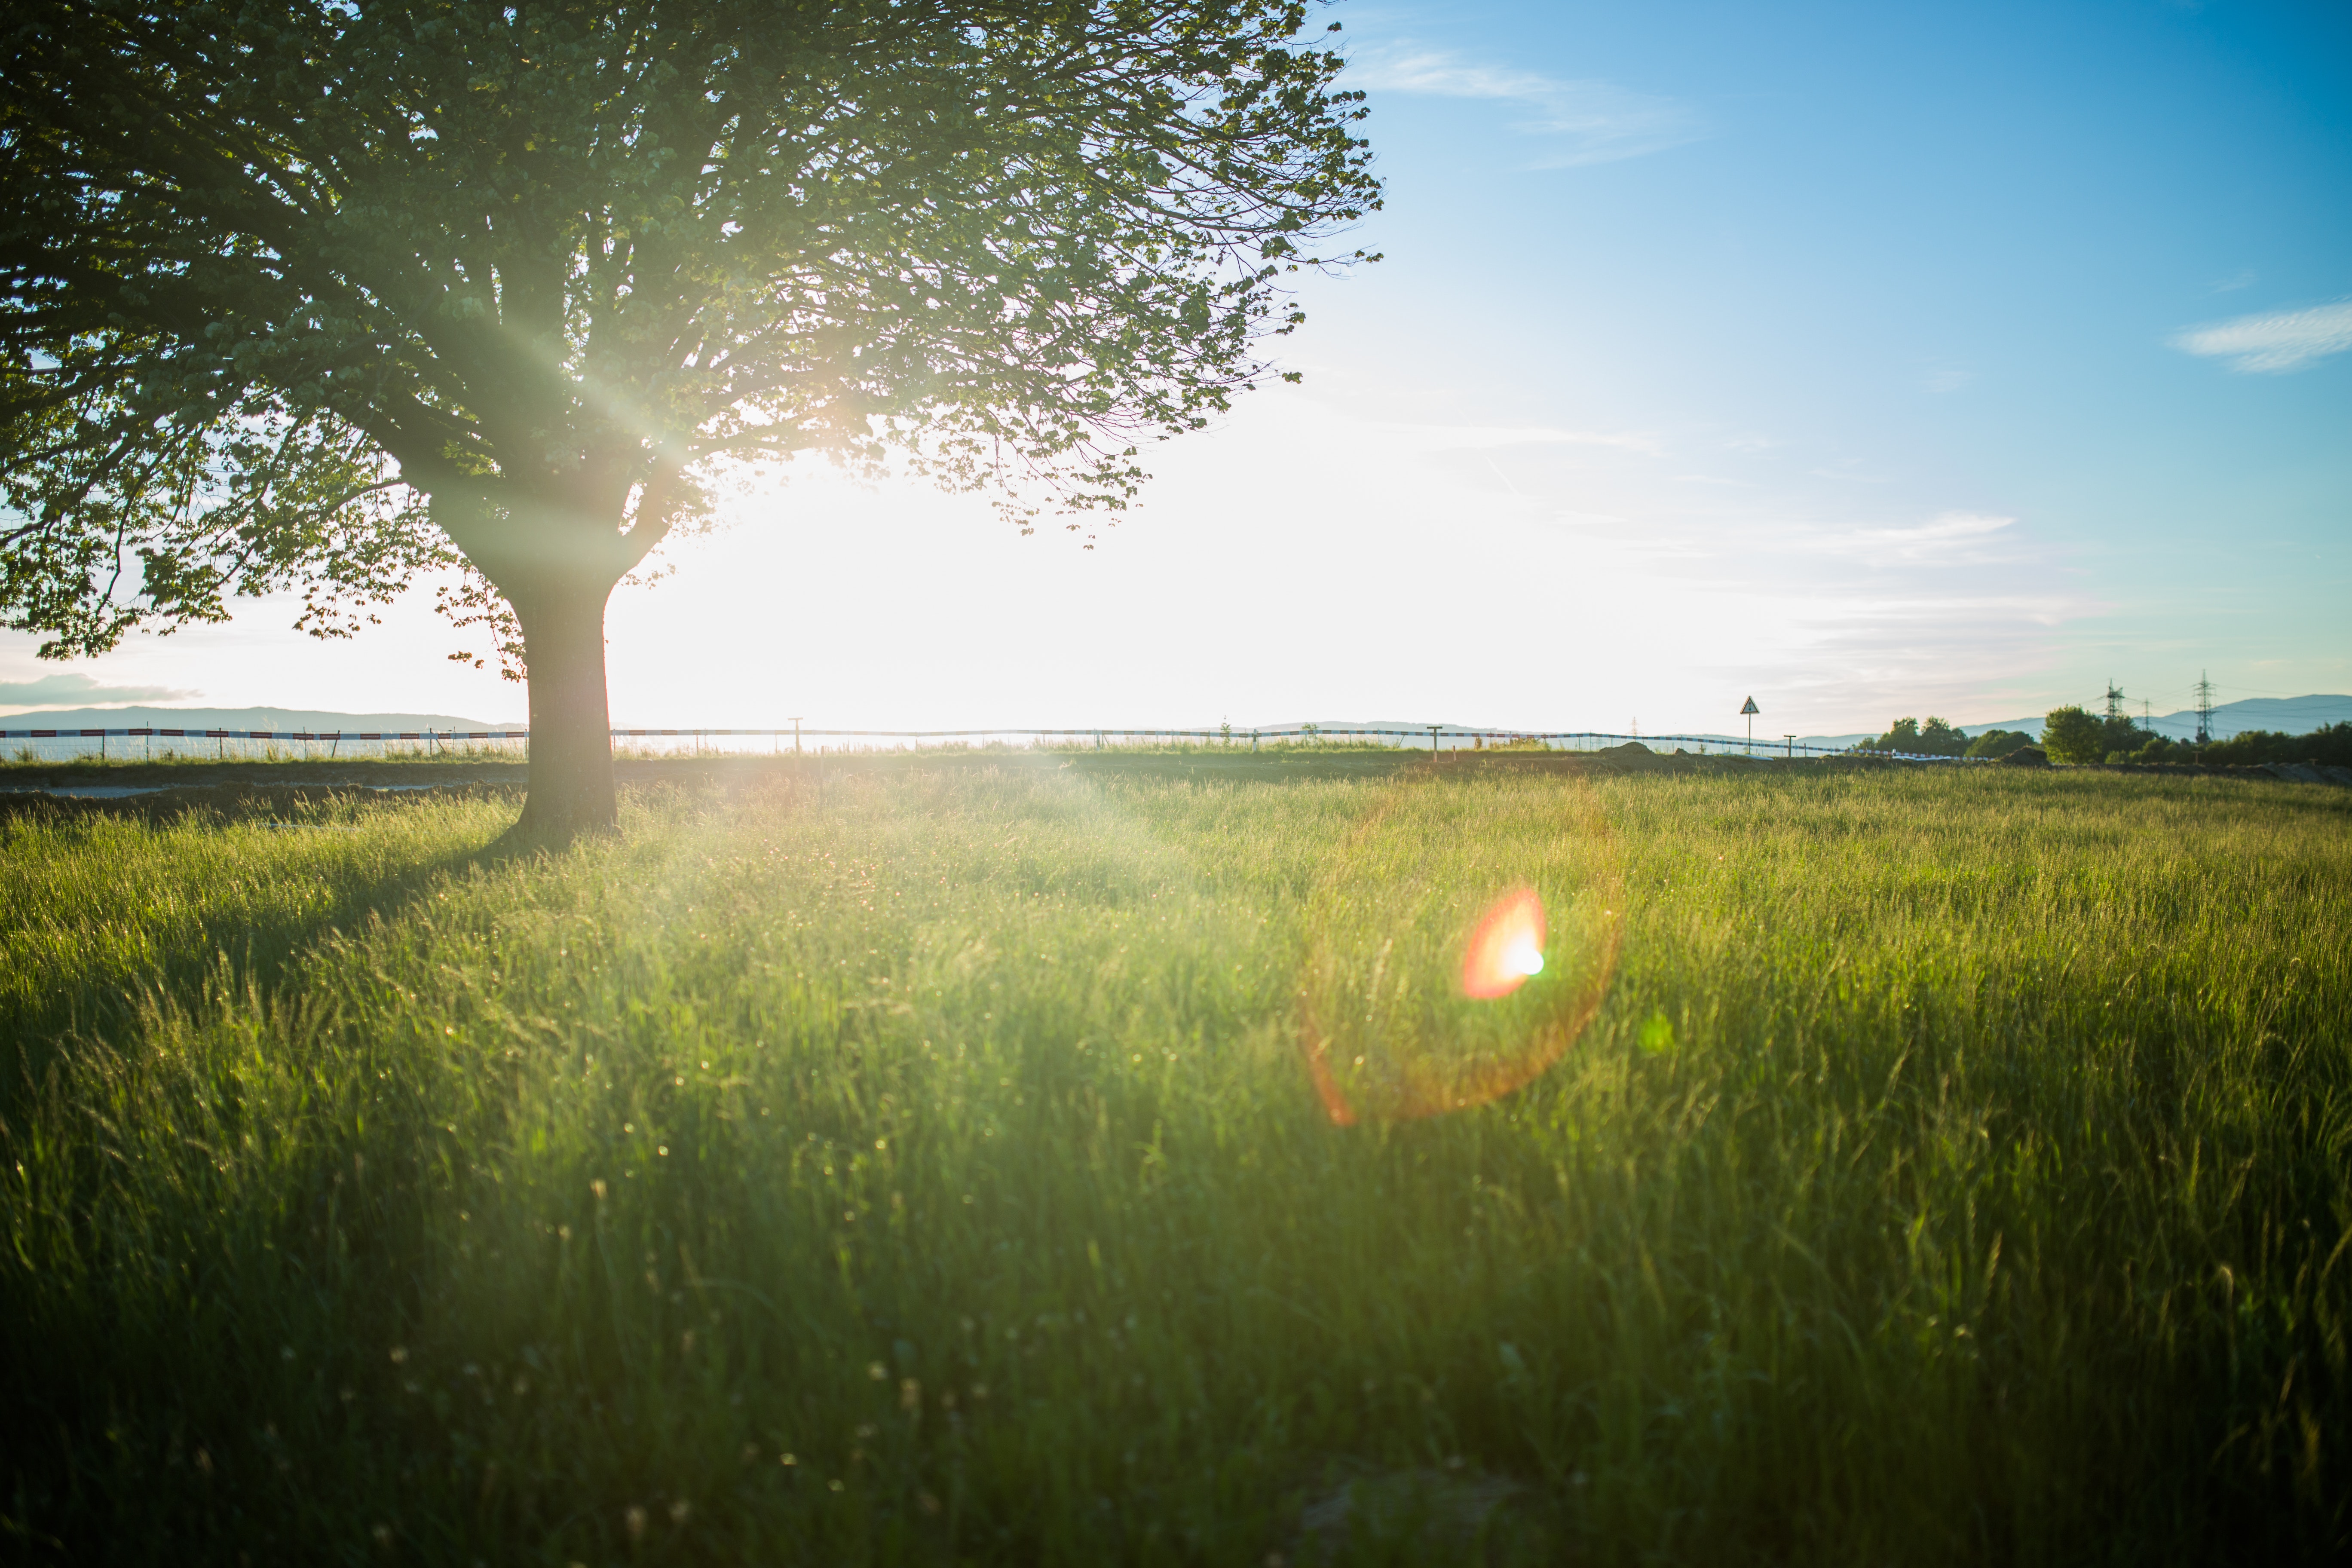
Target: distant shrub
pixel 1998 743
pixel 2156 749
pixel 2071 735
pixel 2331 745
pixel 2124 744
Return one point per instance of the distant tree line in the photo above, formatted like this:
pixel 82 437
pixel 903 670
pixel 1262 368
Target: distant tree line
pixel 2071 735
pixel 1939 738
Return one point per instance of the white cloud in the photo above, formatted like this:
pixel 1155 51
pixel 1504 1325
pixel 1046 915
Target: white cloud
pixel 2279 340
pixel 1586 121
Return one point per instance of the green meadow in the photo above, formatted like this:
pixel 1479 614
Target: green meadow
pixel 920 1162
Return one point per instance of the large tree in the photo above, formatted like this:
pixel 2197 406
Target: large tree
pixel 324 294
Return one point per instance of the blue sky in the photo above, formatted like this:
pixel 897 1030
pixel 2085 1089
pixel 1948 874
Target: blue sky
pixel 1873 359
pixel 1868 267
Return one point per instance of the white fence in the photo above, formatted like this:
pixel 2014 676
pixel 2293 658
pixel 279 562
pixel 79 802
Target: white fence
pixel 131 744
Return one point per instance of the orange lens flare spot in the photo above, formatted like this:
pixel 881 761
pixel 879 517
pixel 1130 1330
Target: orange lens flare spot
pixel 1505 948
pixel 1424 930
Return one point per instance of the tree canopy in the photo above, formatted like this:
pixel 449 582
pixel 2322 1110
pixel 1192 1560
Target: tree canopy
pixel 1998 743
pixel 320 294
pixel 1939 738
pixel 1907 736
pixel 2071 735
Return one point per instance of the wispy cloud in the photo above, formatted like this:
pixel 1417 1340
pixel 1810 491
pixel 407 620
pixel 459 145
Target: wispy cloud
pixel 1490 437
pixel 2278 341
pixel 59 690
pixel 1847 470
pixel 1585 122
pixel 1949 537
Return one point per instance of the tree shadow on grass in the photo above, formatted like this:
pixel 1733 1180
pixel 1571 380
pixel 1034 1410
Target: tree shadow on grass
pixel 104 1001
pixel 145 1315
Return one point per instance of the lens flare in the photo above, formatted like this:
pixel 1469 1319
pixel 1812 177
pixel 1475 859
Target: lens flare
pixel 1458 945
pixel 1506 949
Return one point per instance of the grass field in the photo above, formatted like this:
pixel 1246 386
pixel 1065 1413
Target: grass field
pixel 923 1168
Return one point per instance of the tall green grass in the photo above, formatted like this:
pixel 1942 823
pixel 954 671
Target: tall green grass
pixel 921 1168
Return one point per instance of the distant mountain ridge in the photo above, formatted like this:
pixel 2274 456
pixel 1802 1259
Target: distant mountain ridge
pixel 2293 715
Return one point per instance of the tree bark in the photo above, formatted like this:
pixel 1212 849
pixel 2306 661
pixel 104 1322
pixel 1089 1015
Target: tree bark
pixel 562 618
pixel 556 568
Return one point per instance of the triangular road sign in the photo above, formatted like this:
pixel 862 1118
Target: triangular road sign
pixel 1749 707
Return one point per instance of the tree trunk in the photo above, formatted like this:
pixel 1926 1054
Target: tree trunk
pixel 555 565
pixel 562 619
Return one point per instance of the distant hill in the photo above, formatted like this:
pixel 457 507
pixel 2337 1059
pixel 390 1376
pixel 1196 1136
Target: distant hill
pixel 2293 715
pixel 280 719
